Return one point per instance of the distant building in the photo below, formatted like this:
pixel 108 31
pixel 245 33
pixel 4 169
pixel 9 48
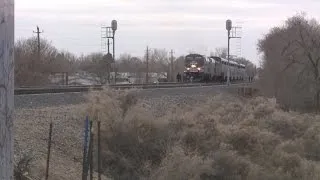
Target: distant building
pixel 84 78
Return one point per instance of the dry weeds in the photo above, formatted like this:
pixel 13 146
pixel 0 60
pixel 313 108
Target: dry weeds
pixel 224 137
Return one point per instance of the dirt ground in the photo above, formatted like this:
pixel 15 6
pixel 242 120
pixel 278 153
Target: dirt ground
pixel 31 128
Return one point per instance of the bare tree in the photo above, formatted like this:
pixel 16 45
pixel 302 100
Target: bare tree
pixel 6 88
pixel 30 71
pixel 124 63
pixel 159 61
pixel 220 52
pixel 127 63
pixel 132 65
pixel 96 66
pixel 65 62
pixel 179 65
pixel 291 61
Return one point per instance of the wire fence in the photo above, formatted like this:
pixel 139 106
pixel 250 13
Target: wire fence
pixel 88 165
pixel 52 143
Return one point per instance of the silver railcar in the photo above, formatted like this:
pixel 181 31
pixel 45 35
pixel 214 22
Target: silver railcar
pixel 212 68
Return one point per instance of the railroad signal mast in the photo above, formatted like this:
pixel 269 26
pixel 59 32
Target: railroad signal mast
pixel 106 34
pixel 237 33
pixel 232 33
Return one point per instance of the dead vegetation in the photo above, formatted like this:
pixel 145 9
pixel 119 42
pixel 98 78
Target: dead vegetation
pixel 290 64
pixel 31 70
pixel 225 137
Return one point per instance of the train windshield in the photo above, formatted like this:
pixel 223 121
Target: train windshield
pixel 194 59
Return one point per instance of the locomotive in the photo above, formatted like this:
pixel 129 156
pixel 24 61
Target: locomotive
pixel 211 69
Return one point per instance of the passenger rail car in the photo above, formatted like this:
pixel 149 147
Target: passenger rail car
pixel 212 69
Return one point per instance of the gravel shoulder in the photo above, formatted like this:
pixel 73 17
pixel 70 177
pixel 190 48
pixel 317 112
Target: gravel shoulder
pixel 61 99
pixel 31 127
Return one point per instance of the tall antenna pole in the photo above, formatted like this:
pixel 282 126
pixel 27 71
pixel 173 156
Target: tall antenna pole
pixel 6 88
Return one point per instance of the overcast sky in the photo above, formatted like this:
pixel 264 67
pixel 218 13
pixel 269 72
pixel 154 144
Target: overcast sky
pixel 181 25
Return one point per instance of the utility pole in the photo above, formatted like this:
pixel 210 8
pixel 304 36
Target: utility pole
pixel 172 77
pixel 6 88
pixel 38 39
pixel 109 64
pixel 147 61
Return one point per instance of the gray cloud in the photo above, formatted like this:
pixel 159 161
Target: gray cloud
pixel 181 25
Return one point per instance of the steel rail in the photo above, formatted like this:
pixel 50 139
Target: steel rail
pixel 69 89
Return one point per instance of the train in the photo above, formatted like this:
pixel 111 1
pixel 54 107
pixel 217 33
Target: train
pixel 200 68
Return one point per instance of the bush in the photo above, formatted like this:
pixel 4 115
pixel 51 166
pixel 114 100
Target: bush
pixel 222 138
pixel 23 166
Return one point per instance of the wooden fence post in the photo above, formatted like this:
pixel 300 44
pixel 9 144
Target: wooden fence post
pixel 84 163
pixel 90 152
pixel 49 149
pixel 99 152
pixel 90 156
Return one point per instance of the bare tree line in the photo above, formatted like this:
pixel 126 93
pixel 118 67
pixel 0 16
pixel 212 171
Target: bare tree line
pixel 290 65
pixel 29 71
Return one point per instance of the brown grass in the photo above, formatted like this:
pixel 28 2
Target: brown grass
pixel 225 137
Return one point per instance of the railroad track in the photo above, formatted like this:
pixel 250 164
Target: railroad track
pixel 84 88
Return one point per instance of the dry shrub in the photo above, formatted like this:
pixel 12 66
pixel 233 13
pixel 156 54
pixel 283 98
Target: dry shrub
pixel 178 165
pixel 23 166
pixel 223 138
pixel 229 165
pixel 286 125
pixel 311 142
pixel 131 135
pixel 293 166
pixel 251 141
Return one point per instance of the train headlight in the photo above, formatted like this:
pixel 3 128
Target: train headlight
pixel 199 69
pixel 193 66
pixel 188 69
